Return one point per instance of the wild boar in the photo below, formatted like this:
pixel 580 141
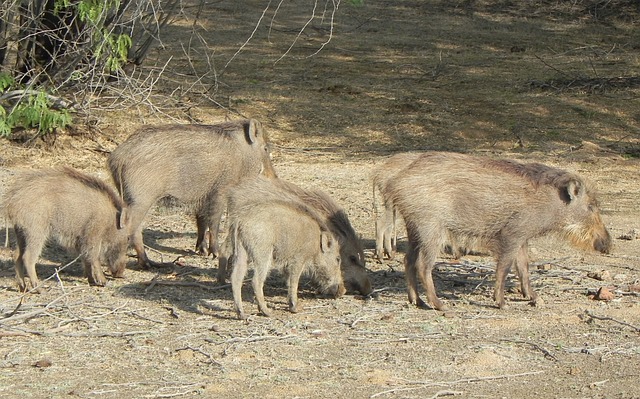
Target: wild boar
pixel 282 235
pixel 336 219
pixel 501 204
pixel 195 164
pixel 80 212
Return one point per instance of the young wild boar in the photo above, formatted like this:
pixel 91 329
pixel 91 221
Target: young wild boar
pixel 353 267
pixel 283 235
pixel 386 234
pixel 79 211
pixel 499 203
pixel 196 164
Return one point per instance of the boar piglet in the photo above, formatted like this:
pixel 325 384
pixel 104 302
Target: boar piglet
pixel 80 212
pixel 286 236
pixel 499 204
pixel 335 218
pixel 195 164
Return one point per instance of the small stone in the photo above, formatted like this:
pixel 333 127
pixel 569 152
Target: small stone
pixel 43 363
pixel 604 294
pixel 632 234
pixel 546 266
pixel 602 275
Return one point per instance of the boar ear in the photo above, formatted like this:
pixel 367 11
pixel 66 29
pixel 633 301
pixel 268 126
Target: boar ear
pixel 570 191
pixel 251 130
pixel 326 241
pixel 123 218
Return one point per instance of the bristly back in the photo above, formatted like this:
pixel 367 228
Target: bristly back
pixel 93 183
pixel 536 173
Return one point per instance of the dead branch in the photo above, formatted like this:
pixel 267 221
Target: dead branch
pixel 607 318
pixel 259 338
pixel 154 282
pixel 23 316
pixel 544 351
pixel 202 352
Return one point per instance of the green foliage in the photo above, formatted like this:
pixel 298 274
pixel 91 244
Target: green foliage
pixel 118 48
pixel 115 48
pixel 33 111
pixel 6 81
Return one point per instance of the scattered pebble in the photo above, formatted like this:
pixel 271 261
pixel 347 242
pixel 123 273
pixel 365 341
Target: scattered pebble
pixel 604 294
pixel 632 234
pixel 43 363
pixel 602 275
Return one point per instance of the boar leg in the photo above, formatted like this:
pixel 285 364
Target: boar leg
pixel 240 261
pixel 292 293
pixel 507 256
pixel 411 275
pixel 204 235
pixel 385 230
pixel 392 246
pixel 522 268
pixel 29 249
pixel 424 264
pixel 225 258
pixel 379 237
pixel 93 272
pixel 260 273
pixel 208 222
pixel 138 210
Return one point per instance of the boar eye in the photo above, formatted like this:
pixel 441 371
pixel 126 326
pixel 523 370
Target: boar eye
pixel 353 259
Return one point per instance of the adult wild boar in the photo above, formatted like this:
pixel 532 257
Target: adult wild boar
pixel 196 164
pixel 80 212
pixel 336 219
pixel 283 235
pixel 501 204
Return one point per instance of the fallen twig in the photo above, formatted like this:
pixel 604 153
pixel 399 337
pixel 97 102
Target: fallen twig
pixel 427 384
pixel 154 282
pixel 200 351
pixel 29 315
pixel 259 338
pixel 544 351
pixel 593 316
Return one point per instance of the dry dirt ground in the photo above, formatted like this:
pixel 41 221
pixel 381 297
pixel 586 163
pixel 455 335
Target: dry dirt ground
pixel 549 81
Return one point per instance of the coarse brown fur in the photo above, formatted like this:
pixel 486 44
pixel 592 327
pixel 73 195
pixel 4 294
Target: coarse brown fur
pixel 500 204
pixel 280 234
pixel 196 164
pixel 326 212
pixel 80 212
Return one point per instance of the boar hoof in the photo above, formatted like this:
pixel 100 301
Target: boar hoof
pixel 265 312
pixel 99 282
pixel 421 304
pixel 295 308
pixel 537 302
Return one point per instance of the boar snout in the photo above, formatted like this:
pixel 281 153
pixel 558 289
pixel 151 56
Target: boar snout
pixel 338 291
pixel 602 243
